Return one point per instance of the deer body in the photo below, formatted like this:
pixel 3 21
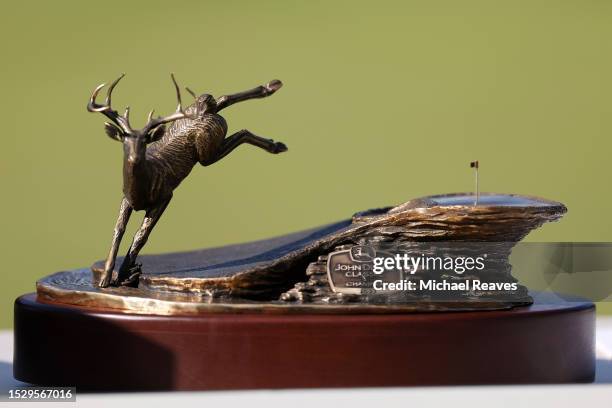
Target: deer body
pixel 164 164
pixel 157 160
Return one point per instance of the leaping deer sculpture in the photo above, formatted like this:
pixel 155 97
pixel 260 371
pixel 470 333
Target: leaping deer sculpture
pixel 156 160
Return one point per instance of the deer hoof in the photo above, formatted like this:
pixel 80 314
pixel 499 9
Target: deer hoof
pixel 273 86
pixel 105 281
pixel 279 148
pixel 133 275
pixel 132 280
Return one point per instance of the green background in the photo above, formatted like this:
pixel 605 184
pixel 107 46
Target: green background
pixel 383 102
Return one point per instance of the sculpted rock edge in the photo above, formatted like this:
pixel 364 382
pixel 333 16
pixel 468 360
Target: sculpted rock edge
pixel 277 274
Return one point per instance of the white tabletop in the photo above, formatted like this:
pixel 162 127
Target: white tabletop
pixel 598 394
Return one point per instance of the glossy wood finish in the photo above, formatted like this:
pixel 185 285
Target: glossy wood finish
pixel 99 349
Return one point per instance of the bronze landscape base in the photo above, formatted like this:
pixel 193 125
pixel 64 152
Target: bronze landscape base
pixel 264 314
pixel 62 345
pixel 288 272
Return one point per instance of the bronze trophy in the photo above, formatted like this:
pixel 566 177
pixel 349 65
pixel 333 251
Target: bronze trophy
pixel 303 309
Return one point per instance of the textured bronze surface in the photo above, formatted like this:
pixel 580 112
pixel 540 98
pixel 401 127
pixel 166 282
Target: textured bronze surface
pixel 418 220
pixel 317 288
pixel 76 288
pixel 253 276
pixel 156 160
pixel 438 223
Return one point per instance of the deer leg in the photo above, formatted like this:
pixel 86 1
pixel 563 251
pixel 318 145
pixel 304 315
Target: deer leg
pixel 125 210
pixel 258 92
pixel 129 270
pixel 244 136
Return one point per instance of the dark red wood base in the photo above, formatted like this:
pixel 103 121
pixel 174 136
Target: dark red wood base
pixel 103 350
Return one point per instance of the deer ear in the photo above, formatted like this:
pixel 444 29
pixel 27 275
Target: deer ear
pixel 157 133
pixel 113 131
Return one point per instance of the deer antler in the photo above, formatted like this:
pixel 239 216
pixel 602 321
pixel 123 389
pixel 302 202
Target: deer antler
pixel 122 121
pixel 179 114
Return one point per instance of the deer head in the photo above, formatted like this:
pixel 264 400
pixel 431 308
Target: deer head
pixel 134 140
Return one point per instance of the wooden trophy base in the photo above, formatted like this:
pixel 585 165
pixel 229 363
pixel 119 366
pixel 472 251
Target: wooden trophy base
pixel 63 345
